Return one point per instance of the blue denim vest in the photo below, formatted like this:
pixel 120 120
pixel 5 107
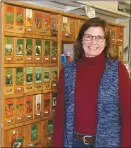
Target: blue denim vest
pixel 108 126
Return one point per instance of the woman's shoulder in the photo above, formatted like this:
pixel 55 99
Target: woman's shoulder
pixel 123 72
pixel 122 66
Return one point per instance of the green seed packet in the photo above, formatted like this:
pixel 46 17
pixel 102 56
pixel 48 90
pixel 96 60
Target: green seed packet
pixel 20 47
pixel 38 48
pixel 34 132
pixel 46 74
pixel 38 74
pixel 54 48
pixel 29 47
pixel 9 76
pixel 8 46
pixel 54 73
pixel 50 126
pixel 19 75
pixel 18 142
pixel 47 48
pixel 29 75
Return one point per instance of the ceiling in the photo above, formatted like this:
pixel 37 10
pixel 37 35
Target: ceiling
pixel 78 7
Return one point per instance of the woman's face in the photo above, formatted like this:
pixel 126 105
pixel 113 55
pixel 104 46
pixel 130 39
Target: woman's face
pixel 93 41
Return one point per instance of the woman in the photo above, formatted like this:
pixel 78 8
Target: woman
pixel 93 103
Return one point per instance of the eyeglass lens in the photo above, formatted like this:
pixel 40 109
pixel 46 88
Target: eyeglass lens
pixel 89 37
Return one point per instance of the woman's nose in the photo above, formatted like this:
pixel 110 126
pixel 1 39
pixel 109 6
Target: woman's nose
pixel 93 39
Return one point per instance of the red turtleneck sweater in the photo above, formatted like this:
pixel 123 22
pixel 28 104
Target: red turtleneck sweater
pixel 88 75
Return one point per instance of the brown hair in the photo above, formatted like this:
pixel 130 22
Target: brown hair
pixel 92 22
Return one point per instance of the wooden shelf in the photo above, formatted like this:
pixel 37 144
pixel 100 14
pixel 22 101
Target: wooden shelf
pixel 34 36
pixel 27 122
pixel 29 65
pixel 68 40
pixel 29 93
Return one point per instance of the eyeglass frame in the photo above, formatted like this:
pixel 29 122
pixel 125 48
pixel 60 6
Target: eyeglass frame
pixel 95 38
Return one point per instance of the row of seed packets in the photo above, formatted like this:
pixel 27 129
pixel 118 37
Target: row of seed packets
pixel 28 79
pixel 28 50
pixel 29 107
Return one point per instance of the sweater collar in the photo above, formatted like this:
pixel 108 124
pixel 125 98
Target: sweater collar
pixel 97 60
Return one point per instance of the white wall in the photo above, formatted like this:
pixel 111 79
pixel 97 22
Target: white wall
pixel 107 18
pixel 112 5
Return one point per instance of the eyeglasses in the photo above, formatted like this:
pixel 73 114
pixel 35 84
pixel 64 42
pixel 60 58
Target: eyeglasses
pixel 98 38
